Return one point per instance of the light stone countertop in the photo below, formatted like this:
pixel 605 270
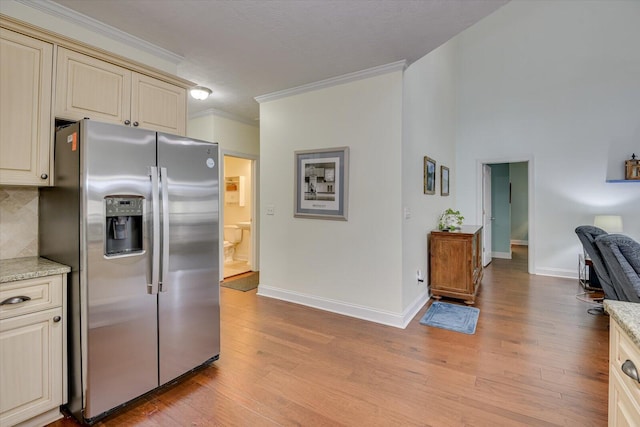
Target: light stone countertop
pixel 627 314
pixel 29 268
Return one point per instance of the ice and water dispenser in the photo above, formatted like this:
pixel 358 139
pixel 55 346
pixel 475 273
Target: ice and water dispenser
pixel 123 215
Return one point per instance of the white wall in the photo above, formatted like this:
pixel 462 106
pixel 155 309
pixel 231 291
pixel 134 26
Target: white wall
pixel 558 82
pixel 231 135
pixel 354 266
pixel 429 130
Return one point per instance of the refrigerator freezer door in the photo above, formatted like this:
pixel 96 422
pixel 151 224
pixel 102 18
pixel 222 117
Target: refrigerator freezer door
pixel 189 301
pixel 121 330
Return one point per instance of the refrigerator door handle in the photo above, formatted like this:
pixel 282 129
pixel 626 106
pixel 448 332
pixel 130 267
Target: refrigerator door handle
pixel 155 257
pixel 165 229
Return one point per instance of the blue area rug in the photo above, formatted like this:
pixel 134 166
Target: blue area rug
pixel 453 317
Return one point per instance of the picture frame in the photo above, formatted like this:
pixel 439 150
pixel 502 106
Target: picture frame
pixel 444 180
pixel 321 183
pixel 429 182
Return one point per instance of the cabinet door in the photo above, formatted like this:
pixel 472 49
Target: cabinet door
pixel 623 410
pixel 89 87
pixel 158 106
pixel 30 369
pixel 26 70
pixel 450 264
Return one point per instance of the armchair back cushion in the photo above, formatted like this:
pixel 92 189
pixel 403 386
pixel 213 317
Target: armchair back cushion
pixel 587 235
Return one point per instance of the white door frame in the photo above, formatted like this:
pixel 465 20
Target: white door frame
pixel 487 250
pixel 530 184
pixel 255 220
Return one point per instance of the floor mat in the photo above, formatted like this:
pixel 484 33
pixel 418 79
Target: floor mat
pixel 453 317
pixel 242 282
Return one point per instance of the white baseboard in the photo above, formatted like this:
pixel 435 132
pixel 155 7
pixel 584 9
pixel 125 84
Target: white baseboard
pixel 502 255
pixel 398 320
pixel 520 242
pixel 557 272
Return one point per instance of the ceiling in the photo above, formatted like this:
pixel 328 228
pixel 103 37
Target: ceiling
pixel 246 48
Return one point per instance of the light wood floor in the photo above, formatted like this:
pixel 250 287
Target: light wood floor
pixel 537 359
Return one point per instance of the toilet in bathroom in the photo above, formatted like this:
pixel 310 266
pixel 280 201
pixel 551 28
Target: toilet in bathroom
pixel 232 236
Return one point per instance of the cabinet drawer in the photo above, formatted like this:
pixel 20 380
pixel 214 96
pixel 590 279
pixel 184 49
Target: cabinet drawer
pixel 44 293
pixel 622 350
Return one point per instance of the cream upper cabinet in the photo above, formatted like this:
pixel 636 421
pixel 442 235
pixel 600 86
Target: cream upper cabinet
pixel 26 70
pixel 89 87
pixel 157 105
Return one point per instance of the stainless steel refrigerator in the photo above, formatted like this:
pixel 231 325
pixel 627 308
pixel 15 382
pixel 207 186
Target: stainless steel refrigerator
pixel 135 214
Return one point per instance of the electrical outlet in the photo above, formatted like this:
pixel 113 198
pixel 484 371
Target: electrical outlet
pixel 419 276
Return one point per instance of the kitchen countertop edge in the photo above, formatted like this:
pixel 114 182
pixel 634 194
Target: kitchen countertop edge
pixel 33 267
pixel 627 314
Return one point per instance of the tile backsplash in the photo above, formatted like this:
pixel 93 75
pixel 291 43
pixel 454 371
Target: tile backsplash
pixel 18 222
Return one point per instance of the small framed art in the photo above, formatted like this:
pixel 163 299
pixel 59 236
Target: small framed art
pixel 429 175
pixel 444 181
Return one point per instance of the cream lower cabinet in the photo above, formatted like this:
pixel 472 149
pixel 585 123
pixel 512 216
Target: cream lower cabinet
pixel 26 70
pixel 33 381
pixel 624 391
pixel 99 90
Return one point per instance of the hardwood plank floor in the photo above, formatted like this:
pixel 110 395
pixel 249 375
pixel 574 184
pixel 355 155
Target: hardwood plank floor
pixel 537 359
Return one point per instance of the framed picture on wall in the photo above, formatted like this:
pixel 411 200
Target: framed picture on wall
pixel 321 183
pixel 429 175
pixel 444 181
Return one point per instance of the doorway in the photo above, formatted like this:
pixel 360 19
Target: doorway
pixel 506 208
pixel 239 227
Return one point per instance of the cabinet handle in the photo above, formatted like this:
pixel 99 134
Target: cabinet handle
pixel 44 176
pixel 135 123
pixel 127 122
pixel 56 319
pixel 629 368
pixel 15 300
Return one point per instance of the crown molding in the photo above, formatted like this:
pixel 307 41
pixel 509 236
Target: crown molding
pixel 55 9
pixel 224 114
pixel 334 81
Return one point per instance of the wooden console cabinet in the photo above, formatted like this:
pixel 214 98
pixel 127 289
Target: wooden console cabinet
pixel 455 263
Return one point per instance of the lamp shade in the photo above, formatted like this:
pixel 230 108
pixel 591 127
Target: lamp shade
pixel 609 223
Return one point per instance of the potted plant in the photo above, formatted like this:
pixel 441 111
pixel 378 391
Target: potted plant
pixel 450 220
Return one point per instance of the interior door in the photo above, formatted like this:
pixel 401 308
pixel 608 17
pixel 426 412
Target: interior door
pixel 189 297
pixel 487 217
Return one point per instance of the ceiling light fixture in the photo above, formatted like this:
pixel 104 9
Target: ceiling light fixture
pixel 200 92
